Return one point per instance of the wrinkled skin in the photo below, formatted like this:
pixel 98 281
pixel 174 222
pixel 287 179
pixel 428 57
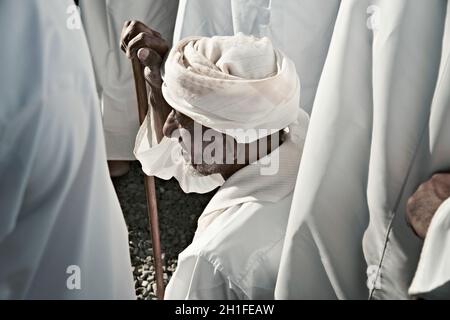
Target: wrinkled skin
pixel 423 204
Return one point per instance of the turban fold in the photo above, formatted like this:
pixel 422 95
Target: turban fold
pixel 228 83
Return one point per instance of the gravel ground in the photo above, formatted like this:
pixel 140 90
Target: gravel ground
pixel 178 214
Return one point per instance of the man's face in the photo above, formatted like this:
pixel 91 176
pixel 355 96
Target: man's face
pixel 210 152
pixel 197 143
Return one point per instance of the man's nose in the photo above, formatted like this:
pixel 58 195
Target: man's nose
pixel 170 125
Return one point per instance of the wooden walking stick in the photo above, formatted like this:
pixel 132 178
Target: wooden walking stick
pixel 149 182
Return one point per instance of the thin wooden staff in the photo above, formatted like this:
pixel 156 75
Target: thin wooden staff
pixel 149 182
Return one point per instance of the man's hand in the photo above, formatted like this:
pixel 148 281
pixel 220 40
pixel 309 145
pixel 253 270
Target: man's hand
pixel 138 40
pixel 423 204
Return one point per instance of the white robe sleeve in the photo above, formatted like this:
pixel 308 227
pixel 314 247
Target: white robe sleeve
pixel 16 158
pixel 432 278
pixel 199 279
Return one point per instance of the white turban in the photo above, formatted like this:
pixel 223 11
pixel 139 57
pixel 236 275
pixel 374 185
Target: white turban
pixel 237 82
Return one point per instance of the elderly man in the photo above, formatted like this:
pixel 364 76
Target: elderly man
pixel 229 110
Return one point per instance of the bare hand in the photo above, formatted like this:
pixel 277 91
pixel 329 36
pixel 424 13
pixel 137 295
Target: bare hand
pixel 138 40
pixel 423 204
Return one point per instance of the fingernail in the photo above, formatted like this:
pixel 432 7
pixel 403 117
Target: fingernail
pixel 143 54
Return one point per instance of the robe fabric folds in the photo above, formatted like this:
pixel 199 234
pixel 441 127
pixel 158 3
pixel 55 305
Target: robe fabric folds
pixel 380 127
pixel 62 232
pixel 103 21
pixel 375 76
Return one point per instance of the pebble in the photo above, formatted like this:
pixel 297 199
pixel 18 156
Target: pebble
pixel 178 214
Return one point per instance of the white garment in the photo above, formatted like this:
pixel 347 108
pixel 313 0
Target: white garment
pixel 232 84
pixel 103 20
pixel 301 29
pixel 58 207
pixel 236 250
pixel 380 127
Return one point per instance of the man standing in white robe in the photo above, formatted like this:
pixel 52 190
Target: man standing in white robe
pixel 380 129
pixel 103 20
pixel 217 86
pixel 62 233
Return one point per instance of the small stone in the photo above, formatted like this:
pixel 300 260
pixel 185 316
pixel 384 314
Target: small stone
pixel 175 208
pixel 140 291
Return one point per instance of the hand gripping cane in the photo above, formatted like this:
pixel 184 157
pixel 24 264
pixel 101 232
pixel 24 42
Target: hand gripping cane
pixel 149 182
